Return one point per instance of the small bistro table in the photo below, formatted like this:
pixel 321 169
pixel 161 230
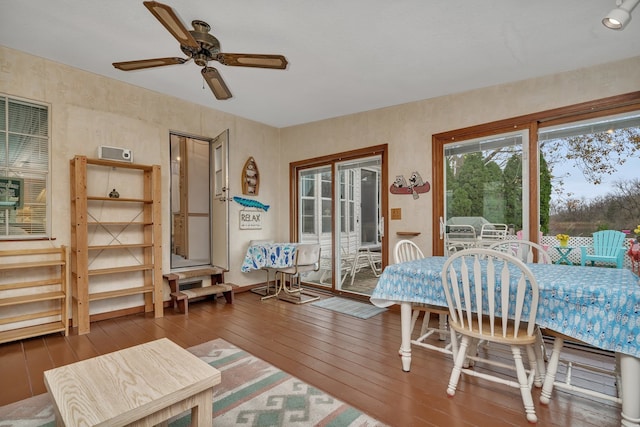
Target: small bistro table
pixel 564 252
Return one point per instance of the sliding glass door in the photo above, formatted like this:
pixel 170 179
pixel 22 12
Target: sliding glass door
pixel 339 204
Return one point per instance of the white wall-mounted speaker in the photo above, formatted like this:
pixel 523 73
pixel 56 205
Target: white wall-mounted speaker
pixel 115 153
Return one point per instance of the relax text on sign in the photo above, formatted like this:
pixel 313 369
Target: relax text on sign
pixel 250 220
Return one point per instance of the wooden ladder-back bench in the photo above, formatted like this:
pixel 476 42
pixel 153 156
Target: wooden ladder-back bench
pixel 181 297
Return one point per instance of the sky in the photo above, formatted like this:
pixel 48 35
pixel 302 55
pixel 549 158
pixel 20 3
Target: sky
pixel 576 182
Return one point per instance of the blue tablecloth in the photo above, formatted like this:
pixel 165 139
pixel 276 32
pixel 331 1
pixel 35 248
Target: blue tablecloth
pixel 272 255
pixel 599 306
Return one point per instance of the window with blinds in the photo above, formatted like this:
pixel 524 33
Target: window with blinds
pixel 24 169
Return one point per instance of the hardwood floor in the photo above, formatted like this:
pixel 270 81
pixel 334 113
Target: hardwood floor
pixel 354 360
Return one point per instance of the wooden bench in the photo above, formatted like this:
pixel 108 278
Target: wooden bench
pixel 181 297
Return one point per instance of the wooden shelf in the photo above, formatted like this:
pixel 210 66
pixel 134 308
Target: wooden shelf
pixel 120 199
pixel 32 331
pixel 122 246
pixel 125 269
pixel 147 227
pixel 118 223
pixel 120 293
pixel 32 284
pixel 408 233
pixel 30 265
pixel 26 299
pixel 51 262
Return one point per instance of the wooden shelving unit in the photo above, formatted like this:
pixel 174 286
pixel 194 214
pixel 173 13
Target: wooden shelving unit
pixel 36 281
pixel 144 269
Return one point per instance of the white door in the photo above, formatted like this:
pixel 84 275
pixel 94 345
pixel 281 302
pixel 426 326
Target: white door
pixel 220 201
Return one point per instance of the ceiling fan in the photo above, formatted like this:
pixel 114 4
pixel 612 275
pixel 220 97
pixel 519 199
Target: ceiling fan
pixel 202 47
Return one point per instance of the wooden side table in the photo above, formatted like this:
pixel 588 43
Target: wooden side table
pixel 142 385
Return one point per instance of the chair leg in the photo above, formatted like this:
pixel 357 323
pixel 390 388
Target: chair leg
pixel 278 279
pixel 457 367
pixel 537 356
pixel 425 323
pixel 552 369
pixel 525 390
pixel 442 325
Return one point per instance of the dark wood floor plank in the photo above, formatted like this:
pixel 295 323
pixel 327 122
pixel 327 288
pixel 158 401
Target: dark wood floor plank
pixel 13 371
pixel 38 360
pixel 352 359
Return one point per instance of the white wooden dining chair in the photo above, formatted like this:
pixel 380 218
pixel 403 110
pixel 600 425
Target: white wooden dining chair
pixel 524 250
pixel 406 250
pixel 555 360
pixel 481 307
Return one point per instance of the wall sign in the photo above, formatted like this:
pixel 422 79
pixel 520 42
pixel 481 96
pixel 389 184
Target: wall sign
pixel 250 219
pixel 250 178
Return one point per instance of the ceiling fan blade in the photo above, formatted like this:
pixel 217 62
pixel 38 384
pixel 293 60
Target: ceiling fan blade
pixel 215 82
pixel 172 23
pixel 147 63
pixel 252 60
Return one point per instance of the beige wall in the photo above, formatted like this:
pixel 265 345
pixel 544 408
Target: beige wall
pixel 88 110
pixel 408 129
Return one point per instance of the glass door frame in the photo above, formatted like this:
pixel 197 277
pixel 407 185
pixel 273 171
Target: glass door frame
pixel 333 160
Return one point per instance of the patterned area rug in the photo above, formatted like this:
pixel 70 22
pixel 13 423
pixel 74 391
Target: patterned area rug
pixel 351 307
pixel 252 393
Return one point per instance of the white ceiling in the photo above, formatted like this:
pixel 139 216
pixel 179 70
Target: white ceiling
pixel 345 56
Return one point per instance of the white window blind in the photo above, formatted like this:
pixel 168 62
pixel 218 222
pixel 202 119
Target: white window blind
pixel 24 169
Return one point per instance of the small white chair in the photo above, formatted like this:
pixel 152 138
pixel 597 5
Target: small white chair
pixel 491 233
pixel 482 308
pixel 524 250
pixel 306 259
pixel 406 250
pixel 459 237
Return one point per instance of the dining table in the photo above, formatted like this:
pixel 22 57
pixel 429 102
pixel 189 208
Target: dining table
pixel 268 256
pixel 596 305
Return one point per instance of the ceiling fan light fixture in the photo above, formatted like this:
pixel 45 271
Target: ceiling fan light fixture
pixel 619 17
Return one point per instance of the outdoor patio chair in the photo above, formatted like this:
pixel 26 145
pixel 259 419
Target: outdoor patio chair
pixel 458 237
pixel 406 250
pixel 608 247
pixel 481 308
pixel 306 259
pixel 491 233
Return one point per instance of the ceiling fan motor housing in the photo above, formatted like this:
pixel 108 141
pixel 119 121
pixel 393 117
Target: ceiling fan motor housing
pixel 209 45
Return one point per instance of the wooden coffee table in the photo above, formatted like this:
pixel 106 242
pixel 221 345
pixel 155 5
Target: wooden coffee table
pixel 142 385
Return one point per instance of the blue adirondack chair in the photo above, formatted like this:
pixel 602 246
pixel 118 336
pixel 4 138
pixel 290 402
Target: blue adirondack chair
pixel 608 247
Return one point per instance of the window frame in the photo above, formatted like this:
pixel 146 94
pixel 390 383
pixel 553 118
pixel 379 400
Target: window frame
pixel 10 171
pixel 531 122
